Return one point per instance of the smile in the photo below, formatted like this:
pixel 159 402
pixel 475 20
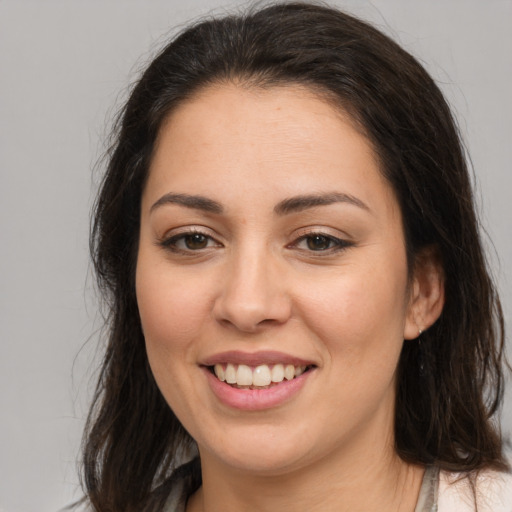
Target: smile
pixel 256 381
pixel 259 377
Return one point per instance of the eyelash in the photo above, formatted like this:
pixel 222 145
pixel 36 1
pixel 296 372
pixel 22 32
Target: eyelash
pixel 334 244
pixel 171 243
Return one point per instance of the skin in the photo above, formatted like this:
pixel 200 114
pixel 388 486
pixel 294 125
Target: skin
pixel 255 284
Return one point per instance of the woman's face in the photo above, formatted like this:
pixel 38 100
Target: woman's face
pixel 270 246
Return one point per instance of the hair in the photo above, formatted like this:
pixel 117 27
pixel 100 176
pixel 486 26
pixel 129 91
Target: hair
pixel 449 386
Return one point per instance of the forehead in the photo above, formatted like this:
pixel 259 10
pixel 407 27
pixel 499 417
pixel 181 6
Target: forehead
pixel 293 111
pixel 282 140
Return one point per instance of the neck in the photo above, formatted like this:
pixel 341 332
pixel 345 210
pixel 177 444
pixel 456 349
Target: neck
pixel 368 479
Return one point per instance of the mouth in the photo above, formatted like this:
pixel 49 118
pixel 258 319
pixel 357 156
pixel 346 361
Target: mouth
pixel 263 376
pixel 257 381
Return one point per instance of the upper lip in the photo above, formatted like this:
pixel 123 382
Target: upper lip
pixel 267 357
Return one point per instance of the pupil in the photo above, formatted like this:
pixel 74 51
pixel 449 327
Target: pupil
pixel 196 241
pixel 318 243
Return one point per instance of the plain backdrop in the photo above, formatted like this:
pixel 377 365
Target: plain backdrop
pixel 65 67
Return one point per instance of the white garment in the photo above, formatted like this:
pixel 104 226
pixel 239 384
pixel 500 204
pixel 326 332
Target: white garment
pixel 493 492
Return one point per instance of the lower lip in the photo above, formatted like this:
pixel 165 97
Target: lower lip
pixel 256 399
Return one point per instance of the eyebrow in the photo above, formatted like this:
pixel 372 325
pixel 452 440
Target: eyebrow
pixel 304 202
pixel 189 201
pixel 285 207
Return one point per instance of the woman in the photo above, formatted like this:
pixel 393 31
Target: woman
pixel 300 311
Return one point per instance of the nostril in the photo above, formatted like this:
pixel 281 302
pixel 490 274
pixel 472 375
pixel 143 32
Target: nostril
pixel 250 303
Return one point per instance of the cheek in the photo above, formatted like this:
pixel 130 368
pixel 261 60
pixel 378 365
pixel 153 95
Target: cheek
pixel 358 320
pixel 172 309
pixel 360 312
pixel 172 314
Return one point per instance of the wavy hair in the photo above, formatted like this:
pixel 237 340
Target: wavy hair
pixel 449 387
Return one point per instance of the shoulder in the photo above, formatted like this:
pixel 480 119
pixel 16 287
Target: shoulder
pixel 491 489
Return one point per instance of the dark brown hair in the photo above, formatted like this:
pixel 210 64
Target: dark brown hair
pixel 449 386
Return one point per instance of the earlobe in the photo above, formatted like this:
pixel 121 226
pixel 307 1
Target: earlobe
pixel 427 293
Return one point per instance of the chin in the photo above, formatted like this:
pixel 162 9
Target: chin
pixel 260 451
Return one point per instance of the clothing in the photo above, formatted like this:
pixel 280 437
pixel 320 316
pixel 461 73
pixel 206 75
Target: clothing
pixel 440 491
pixel 427 499
pixel 493 492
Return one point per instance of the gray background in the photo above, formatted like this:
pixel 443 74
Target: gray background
pixel 64 68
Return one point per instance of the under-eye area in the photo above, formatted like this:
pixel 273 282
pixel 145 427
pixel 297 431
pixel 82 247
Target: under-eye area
pixel 263 376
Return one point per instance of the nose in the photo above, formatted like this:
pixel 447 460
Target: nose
pixel 253 294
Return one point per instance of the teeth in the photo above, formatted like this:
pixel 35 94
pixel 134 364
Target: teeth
pixel 299 370
pixel 261 376
pixel 278 373
pixel 244 375
pixel 219 371
pixel 289 372
pixel 230 374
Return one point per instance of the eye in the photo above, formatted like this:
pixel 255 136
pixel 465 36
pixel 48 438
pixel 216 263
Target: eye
pixel 319 242
pixel 192 241
pixel 195 241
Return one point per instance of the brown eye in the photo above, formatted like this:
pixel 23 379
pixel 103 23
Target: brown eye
pixel 189 242
pixel 195 241
pixel 321 243
pixel 318 242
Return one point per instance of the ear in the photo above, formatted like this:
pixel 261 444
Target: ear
pixel 426 293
